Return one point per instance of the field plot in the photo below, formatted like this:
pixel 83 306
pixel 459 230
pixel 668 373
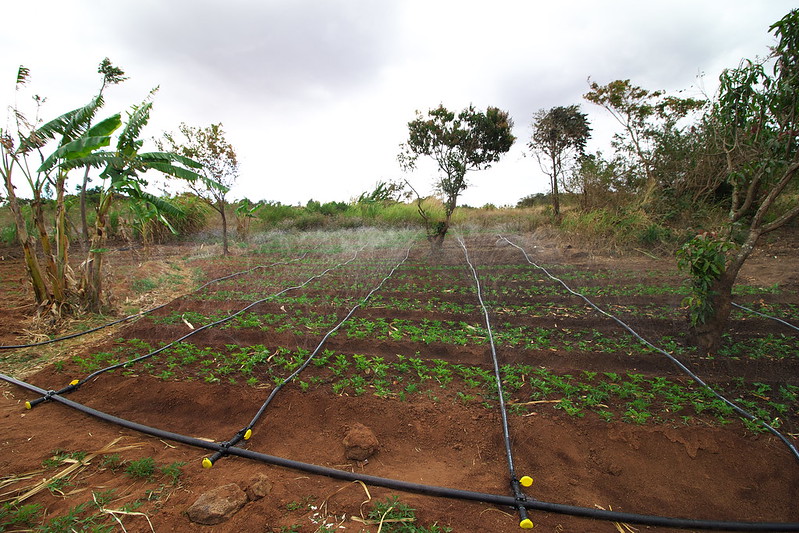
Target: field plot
pixel 373 330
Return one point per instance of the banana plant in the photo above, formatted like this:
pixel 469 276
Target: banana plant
pixel 123 176
pixel 52 285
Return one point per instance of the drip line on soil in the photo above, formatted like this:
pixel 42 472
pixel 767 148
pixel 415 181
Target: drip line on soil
pixel 781 321
pixel 518 493
pixel 245 432
pixel 746 414
pixel 429 490
pixel 148 311
pixel 75 384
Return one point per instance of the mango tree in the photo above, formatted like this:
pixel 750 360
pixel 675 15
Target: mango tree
pixel 470 140
pixel 756 122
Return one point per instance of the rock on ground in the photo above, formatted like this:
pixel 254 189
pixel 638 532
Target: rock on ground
pixel 217 505
pixel 360 443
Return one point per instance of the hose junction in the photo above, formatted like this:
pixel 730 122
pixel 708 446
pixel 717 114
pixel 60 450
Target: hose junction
pixel 518 500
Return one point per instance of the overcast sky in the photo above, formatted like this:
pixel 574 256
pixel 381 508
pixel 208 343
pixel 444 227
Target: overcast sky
pixel 316 95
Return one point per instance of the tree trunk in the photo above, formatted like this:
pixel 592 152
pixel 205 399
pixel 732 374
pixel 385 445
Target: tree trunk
pixel 436 237
pixel 224 227
pixel 40 292
pixel 553 181
pixel 707 337
pixel 555 197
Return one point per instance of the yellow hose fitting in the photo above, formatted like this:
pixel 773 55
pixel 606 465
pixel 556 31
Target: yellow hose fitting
pixel 526 524
pixel 247 434
pixel 74 382
pixel 28 405
pixel 207 463
pixel 526 481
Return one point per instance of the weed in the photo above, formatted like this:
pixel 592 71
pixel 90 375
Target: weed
pixel 144 285
pixel 19 516
pixel 83 517
pixel 397 517
pixel 112 462
pixel 173 471
pixel 60 456
pixel 143 468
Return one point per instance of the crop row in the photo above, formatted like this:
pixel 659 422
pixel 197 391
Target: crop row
pixel 518 290
pixel 302 322
pixel 611 396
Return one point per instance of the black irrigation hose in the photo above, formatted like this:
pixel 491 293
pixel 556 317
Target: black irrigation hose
pixel 246 432
pixel 429 490
pixel 141 313
pixel 75 384
pixel 515 483
pixel 781 321
pixel 746 414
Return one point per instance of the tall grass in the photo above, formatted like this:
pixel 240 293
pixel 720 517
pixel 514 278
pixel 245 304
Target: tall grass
pixel 616 226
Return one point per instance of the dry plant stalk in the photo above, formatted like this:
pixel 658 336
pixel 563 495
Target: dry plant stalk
pixel 621 527
pixel 114 512
pixel 74 467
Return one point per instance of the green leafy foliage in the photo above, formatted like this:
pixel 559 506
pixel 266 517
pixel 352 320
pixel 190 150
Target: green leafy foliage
pixel 704 259
pixel 470 140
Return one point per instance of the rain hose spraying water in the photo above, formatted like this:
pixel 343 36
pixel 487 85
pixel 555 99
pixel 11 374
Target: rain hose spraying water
pixel 429 490
pixel 246 432
pixel 515 483
pixel 682 367
pixel 75 384
pixel 142 313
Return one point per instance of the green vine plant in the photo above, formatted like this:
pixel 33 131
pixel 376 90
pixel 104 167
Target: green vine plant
pixel 704 259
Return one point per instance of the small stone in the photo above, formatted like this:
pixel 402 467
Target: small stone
pixel 360 443
pixel 258 487
pixel 217 505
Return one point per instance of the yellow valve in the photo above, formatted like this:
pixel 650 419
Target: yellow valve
pixel 74 382
pixel 207 463
pixel 526 481
pixel 28 405
pixel 247 434
pixel 526 524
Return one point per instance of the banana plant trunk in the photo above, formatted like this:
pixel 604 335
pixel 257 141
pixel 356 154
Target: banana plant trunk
pixel 92 276
pixel 51 269
pixel 63 275
pixel 40 292
pixel 225 250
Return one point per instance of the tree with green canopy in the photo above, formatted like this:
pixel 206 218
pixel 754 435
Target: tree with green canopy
pixel 647 118
pixel 755 120
pixel 470 140
pixel 559 138
pixel 220 167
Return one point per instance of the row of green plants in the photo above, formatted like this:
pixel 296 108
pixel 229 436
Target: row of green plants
pixel 301 321
pixel 629 397
pixel 498 307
